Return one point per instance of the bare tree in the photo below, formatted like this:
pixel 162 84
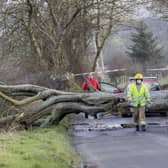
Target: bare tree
pixel 52 35
pixel 44 29
pixel 40 106
pixel 109 15
pixel 159 7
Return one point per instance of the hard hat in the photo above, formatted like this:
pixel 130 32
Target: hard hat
pixel 138 76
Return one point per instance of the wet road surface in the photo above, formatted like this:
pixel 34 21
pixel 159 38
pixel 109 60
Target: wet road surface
pixel 122 148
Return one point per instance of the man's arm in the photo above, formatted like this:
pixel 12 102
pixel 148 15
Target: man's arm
pixel 129 94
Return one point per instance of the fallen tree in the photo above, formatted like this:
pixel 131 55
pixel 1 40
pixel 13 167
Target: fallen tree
pixel 159 100
pixel 42 106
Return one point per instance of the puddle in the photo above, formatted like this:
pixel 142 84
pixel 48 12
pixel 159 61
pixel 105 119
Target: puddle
pixel 96 126
pixel 114 124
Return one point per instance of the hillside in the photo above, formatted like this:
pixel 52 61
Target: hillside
pixel 118 42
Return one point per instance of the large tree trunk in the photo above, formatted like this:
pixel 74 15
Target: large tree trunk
pixel 43 106
pixel 159 100
pixel 50 106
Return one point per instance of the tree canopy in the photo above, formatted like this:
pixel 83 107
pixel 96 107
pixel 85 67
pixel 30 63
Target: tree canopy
pixel 52 35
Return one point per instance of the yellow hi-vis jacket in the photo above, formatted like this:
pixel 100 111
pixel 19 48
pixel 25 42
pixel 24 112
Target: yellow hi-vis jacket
pixel 138 97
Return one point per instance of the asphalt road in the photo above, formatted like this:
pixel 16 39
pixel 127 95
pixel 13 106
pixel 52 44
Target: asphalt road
pixel 124 148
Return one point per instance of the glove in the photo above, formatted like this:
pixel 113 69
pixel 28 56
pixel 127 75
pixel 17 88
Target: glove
pixel 148 105
pixel 131 104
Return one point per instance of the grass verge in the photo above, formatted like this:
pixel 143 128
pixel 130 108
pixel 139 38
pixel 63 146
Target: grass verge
pixel 40 148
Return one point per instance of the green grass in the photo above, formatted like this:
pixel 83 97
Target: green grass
pixel 41 148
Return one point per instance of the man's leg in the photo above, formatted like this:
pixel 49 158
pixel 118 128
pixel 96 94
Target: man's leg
pixel 142 122
pixel 136 117
pixel 86 115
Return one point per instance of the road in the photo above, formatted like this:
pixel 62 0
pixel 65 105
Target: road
pixel 118 147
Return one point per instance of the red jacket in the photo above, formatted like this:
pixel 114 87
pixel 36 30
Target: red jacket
pixel 93 82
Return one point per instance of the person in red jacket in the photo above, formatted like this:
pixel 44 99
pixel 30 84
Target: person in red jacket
pixel 91 84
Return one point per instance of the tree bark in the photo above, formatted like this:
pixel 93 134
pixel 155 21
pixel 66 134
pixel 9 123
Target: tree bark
pixel 158 100
pixel 52 105
pixel 48 106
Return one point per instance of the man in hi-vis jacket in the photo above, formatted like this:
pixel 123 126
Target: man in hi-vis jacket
pixel 139 98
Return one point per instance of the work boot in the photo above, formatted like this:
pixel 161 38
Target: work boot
pixel 143 127
pixel 137 127
pixel 95 116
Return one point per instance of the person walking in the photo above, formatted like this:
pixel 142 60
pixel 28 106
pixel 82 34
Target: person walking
pixel 139 97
